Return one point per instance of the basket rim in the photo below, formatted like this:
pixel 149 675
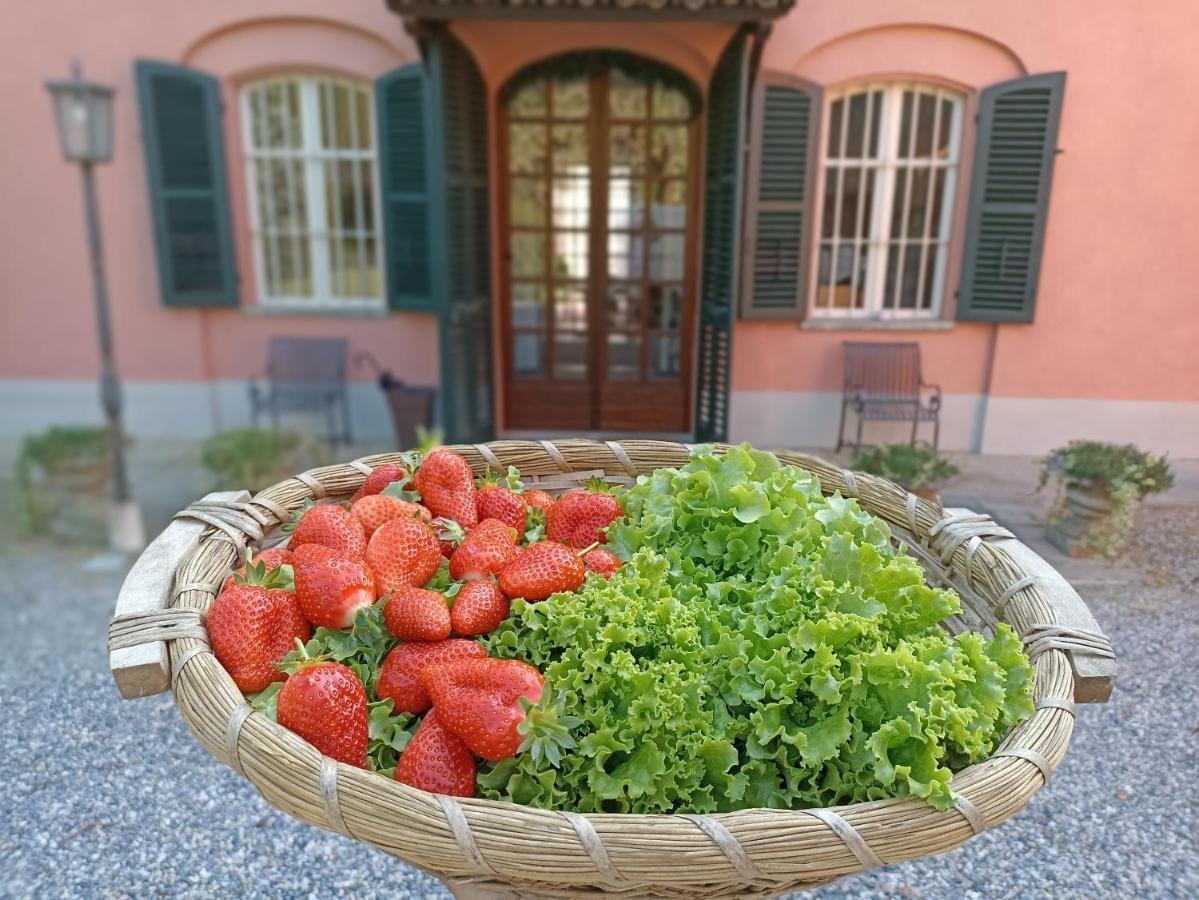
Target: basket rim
pixel 735 852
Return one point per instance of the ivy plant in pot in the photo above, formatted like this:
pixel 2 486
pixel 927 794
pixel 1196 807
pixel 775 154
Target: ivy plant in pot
pixel 916 467
pixel 1099 488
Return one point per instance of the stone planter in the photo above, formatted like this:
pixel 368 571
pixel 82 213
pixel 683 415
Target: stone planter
pixel 69 499
pixel 1084 508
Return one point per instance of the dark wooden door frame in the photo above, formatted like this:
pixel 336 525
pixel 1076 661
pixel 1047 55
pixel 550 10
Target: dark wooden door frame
pixel 598 233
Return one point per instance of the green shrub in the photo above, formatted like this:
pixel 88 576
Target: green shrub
pixel 913 466
pixel 254 458
pixel 43 462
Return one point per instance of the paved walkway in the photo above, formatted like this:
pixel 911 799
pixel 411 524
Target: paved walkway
pixel 105 798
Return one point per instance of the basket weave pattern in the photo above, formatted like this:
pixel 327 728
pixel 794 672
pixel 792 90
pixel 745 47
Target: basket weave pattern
pixel 480 846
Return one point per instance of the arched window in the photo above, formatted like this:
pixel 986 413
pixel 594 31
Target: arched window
pixel 891 160
pixel 310 151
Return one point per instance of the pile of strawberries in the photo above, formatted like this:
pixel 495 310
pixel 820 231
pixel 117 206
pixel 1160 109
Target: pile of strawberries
pixel 382 549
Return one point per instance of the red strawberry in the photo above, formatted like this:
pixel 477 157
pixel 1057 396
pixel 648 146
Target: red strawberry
pixel 252 625
pixel 437 760
pixel 488 547
pixel 479 700
pixel 449 534
pixel 330 586
pixel 414 614
pixel 542 569
pixel 578 517
pixel 403 553
pixel 495 501
pixel 399 676
pixel 375 509
pixel 537 499
pixel 603 561
pixel 269 559
pixel 332 526
pixel 325 704
pixel 447 486
pixel 479 607
pixel 377 480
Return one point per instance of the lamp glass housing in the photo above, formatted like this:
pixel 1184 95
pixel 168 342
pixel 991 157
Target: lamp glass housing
pixel 83 114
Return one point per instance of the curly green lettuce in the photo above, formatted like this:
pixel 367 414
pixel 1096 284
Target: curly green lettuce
pixel 762 646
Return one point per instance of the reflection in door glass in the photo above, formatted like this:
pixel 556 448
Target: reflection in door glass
pixel 666 258
pixel 526 354
pixel 626 203
pixel 664 356
pixel 665 304
pixel 624 306
pixel 624 356
pixel 570 307
pixel 528 305
pixel 570 355
pixel 626 255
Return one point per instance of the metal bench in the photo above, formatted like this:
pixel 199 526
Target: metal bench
pixel 305 375
pixel 883 383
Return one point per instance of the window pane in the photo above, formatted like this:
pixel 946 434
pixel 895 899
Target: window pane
pixel 624 306
pixel 626 255
pixel 669 103
pixel 569 98
pixel 918 209
pixel 572 202
pixel 669 208
pixel 824 276
pixel 876 109
pixel 843 275
pixel 836 111
pixel 669 151
pixel 832 187
pixel 940 217
pixel 666 257
pixel 529 101
pixel 570 254
pixel 624 356
pixel 889 296
pixel 528 254
pixel 927 108
pixel 570 149
pixel 627 149
pixel 526 148
pixel 570 308
pixel 856 136
pixel 528 305
pixel 626 203
pixel 570 355
pixel 527 353
pixel 628 97
pixel 898 203
pixel 528 201
pixel 910 277
pixel 364 119
pixel 664 356
pixel 932 265
pixel 905 126
pixel 945 134
pixel 665 307
pixel 849 202
pixel 366 170
pixel 374 282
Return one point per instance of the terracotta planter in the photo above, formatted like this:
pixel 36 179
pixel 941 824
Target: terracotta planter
pixel 1086 506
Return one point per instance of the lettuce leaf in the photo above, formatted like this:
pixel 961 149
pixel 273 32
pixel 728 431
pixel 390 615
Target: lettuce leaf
pixel 763 645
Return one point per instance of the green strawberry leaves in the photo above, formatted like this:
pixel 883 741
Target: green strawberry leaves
pixel 388 734
pixel 402 490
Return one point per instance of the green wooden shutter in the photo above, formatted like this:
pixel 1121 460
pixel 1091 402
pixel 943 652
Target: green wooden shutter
pixel 404 117
pixel 780 189
pixel 721 241
pixel 189 197
pixel 461 248
pixel 1009 198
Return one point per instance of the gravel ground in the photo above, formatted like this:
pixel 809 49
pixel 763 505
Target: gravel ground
pixel 111 799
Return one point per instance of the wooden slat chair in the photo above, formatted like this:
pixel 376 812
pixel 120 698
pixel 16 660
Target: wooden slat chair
pixel 883 382
pixel 306 374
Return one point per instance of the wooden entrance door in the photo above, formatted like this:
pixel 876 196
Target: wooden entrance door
pixel 600 273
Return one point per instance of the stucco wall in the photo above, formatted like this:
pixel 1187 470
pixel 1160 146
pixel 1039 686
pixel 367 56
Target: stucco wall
pixel 1116 316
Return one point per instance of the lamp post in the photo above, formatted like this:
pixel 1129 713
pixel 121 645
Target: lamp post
pixel 83 114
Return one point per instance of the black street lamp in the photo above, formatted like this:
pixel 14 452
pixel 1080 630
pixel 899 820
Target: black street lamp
pixel 83 114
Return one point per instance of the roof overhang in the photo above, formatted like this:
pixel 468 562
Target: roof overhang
pixel 595 10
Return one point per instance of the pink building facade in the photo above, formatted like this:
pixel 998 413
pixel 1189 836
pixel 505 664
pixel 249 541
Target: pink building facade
pixel 842 197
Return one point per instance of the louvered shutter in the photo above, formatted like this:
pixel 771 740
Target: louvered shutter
pixel 780 189
pixel 402 111
pixel 721 241
pixel 1009 198
pixel 462 247
pixel 189 196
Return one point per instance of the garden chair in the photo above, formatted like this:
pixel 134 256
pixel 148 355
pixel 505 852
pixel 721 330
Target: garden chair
pixel 305 375
pixel 883 382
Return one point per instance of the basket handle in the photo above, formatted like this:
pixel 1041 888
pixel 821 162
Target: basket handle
pixel 145 669
pixel 1094 672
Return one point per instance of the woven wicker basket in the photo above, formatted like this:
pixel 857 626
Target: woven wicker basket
pixel 488 849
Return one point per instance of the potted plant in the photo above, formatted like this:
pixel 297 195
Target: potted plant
pixel 61 477
pixel 1099 488
pixel 916 467
pixel 253 458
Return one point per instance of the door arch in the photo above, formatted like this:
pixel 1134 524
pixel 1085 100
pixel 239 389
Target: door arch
pixel 599 213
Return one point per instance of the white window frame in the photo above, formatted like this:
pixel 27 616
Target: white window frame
pixel 313 157
pixel 886 167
